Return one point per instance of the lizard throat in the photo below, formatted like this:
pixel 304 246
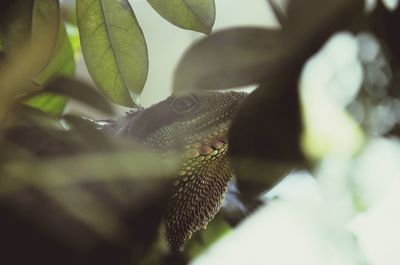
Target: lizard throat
pixel 199 189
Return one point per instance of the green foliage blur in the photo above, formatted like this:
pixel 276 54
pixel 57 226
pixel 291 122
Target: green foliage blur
pixel 71 195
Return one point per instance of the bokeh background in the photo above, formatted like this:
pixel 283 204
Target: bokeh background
pixel 342 208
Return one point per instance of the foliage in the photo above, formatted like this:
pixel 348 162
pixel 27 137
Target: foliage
pixel 113 43
pixel 72 195
pixel 114 48
pixel 188 14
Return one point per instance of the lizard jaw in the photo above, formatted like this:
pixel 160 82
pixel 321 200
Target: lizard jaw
pixel 199 189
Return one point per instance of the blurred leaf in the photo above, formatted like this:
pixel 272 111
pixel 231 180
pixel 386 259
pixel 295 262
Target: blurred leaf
pixel 114 206
pixel 1 49
pixel 62 61
pixel 40 141
pixel 16 78
pixel 30 21
pixel 231 58
pixel 49 103
pixel 25 114
pixel 265 134
pixel 79 91
pixel 308 30
pixel 113 200
pixel 243 56
pixel 12 152
pixel 16 25
pixel 384 25
pixel 29 31
pixel 198 15
pixel 93 137
pixel 46 25
pixel 4 5
pixel 126 164
pixel 114 48
pixel 264 139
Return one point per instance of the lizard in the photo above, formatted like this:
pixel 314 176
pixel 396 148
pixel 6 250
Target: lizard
pixel 198 124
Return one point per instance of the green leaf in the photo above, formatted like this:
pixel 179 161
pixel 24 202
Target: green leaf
pixel 198 15
pixel 114 48
pixel 49 103
pixel 62 62
pixel 230 58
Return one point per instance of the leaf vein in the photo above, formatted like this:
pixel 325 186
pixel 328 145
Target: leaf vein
pixel 88 8
pixel 112 45
pixel 98 26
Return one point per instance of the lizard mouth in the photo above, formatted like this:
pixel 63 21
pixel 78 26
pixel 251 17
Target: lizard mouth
pixel 212 143
pixel 207 147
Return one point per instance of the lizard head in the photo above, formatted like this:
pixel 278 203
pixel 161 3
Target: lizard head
pixel 197 124
pixel 182 120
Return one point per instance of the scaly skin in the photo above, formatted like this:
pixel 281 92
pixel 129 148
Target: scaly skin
pixel 198 124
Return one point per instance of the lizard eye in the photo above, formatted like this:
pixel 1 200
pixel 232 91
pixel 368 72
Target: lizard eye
pixel 184 104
